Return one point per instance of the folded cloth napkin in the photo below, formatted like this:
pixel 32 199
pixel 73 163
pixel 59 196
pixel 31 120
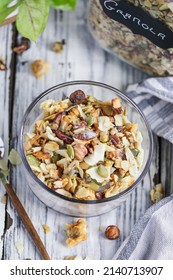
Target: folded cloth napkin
pixel 154 96
pixel 152 236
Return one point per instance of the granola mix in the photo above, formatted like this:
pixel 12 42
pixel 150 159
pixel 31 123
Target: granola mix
pixel 40 68
pixel 135 49
pixel 157 193
pixel 76 232
pixel 84 148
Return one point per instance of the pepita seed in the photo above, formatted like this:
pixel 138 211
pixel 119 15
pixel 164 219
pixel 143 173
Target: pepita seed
pixel 102 171
pixel 70 151
pixel 33 160
pixel 90 120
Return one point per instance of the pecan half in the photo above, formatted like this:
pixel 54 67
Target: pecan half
pixel 77 97
pixel 115 139
pixel 66 138
pixel 120 128
pixel 24 45
pixel 58 117
pixel 87 135
pixel 117 111
pixel 80 125
pixel 99 195
pixel 90 149
pixel 122 154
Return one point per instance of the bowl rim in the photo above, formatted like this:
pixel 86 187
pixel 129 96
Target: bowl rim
pixel 92 83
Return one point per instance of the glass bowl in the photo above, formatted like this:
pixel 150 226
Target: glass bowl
pixel 71 206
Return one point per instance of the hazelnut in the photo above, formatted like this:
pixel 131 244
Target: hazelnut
pixel 112 232
pixel 77 96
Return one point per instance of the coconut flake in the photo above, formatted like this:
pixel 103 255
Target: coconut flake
pixel 133 170
pixel 104 123
pixel 63 192
pixel 118 120
pixel 170 6
pixel 58 184
pixel 95 176
pixel 51 136
pixel 97 155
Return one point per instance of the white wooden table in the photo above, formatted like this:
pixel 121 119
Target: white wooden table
pixel 84 59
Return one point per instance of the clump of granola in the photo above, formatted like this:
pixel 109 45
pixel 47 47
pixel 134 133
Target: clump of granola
pixel 3 67
pixel 40 68
pixel 157 193
pixel 85 148
pixel 23 46
pixel 58 47
pixel 76 232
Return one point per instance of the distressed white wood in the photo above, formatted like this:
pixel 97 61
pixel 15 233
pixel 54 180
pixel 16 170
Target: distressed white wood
pixel 5 54
pixel 82 58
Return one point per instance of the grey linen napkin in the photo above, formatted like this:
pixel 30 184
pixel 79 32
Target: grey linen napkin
pixel 154 96
pixel 152 236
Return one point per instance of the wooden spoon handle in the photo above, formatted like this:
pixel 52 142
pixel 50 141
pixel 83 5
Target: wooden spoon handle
pixel 26 220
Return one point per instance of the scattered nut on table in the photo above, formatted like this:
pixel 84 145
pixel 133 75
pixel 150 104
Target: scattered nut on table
pixel 157 193
pixel 76 232
pixel 112 232
pixel 23 46
pixel 40 68
pixel 58 47
pixel 3 67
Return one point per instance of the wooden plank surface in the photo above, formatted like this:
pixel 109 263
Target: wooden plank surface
pixel 82 59
pixel 5 78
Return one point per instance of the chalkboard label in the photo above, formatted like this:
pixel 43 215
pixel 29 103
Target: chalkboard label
pixel 139 21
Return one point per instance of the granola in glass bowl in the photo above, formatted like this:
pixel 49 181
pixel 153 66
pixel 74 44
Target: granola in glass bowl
pixel 85 148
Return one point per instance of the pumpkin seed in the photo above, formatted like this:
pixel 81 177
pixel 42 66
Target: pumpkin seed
pixel 102 171
pixel 55 157
pixel 33 160
pixel 90 120
pixel 70 151
pixel 107 110
pixel 135 152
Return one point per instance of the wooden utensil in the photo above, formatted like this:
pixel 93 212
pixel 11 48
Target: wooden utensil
pixel 24 217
